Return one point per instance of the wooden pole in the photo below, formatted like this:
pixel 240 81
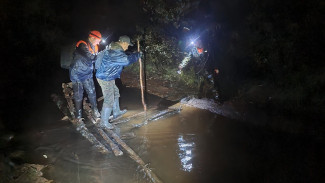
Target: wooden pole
pixel 114 147
pixel 141 80
pixel 68 94
pixel 151 175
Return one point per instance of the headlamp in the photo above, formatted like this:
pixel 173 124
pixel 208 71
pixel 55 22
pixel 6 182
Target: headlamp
pixel 193 40
pixel 103 41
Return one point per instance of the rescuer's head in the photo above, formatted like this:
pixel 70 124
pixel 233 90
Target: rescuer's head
pixel 125 42
pixel 95 37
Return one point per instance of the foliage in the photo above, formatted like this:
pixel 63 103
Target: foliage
pixel 286 48
pixel 162 51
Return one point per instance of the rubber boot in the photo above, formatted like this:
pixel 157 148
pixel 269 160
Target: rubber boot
pixel 116 109
pixel 106 112
pixel 93 103
pixel 78 104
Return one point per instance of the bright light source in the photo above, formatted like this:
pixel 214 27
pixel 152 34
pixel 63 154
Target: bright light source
pixel 192 42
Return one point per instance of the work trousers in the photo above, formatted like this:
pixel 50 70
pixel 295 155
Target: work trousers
pixel 110 92
pixel 89 86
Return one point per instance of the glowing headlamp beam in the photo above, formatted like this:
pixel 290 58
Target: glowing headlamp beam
pixel 104 39
pixel 193 41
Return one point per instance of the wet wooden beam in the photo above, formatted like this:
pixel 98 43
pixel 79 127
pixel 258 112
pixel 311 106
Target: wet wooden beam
pixel 68 94
pixel 114 147
pixel 160 114
pixel 151 175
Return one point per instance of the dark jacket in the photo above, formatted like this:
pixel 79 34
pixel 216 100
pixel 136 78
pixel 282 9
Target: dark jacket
pixel 81 67
pixel 113 61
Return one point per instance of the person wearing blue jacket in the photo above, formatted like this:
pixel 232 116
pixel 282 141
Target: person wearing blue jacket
pixel 109 69
pixel 81 72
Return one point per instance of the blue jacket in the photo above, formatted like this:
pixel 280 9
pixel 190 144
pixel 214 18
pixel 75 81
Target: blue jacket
pixel 113 61
pixel 82 67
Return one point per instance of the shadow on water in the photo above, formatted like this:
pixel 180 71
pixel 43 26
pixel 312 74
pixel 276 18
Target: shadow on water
pixel 189 147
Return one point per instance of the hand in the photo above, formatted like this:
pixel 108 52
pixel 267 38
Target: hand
pixel 179 72
pixel 140 54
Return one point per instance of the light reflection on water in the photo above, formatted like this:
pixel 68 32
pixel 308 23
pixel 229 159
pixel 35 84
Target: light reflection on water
pixel 185 153
pixel 193 146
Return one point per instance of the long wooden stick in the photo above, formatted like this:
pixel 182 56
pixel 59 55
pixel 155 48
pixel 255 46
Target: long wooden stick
pixel 141 80
pixel 152 176
pixel 114 147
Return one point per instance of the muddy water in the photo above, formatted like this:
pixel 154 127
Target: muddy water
pixel 190 147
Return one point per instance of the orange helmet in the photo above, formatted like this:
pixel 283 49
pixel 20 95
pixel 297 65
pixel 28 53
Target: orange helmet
pixel 95 34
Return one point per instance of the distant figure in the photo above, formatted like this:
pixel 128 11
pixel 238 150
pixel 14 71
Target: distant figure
pixel 195 50
pixel 209 86
pixel 109 69
pixel 81 72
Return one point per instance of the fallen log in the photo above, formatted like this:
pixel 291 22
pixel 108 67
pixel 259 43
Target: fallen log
pixel 127 119
pixel 131 153
pixel 114 147
pixel 93 140
pixel 151 175
pixel 68 94
pixel 159 115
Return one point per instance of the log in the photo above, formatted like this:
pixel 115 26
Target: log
pixel 151 175
pixel 117 151
pixel 127 119
pixel 114 147
pixel 159 115
pixel 68 94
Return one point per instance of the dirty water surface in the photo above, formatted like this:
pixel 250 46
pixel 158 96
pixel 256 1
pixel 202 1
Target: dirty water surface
pixel 188 147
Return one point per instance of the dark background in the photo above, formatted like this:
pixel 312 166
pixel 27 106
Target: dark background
pixel 278 44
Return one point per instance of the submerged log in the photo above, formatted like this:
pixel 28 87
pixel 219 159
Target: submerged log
pixel 68 94
pixel 114 147
pixel 127 119
pixel 151 175
pixel 93 140
pixel 159 115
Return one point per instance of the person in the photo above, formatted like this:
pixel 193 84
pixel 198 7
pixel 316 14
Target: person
pixel 81 72
pixel 195 50
pixel 209 86
pixel 109 69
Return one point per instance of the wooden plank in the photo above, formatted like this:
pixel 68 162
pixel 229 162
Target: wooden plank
pixel 68 94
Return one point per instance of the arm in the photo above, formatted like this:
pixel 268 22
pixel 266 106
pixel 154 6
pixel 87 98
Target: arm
pixel 133 57
pixel 185 61
pixel 83 50
pixel 120 58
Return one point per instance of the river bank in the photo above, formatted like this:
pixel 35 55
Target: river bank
pixel 251 107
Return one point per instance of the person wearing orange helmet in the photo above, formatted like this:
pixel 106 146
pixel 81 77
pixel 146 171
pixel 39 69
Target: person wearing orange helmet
pixel 81 72
pixel 194 49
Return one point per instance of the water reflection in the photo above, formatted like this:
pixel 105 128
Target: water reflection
pixel 185 153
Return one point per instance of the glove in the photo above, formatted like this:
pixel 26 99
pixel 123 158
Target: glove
pixel 179 72
pixel 140 54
